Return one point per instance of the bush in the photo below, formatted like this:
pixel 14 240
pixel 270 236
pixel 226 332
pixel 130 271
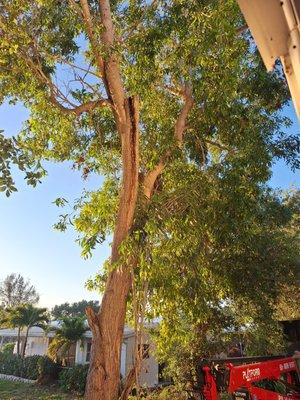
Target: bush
pixel 174 392
pixel 170 392
pixel 47 368
pixel 11 364
pixel 74 379
pixel 32 367
pixel 8 348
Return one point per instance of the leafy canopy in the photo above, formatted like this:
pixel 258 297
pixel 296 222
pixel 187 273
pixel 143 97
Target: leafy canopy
pixel 257 274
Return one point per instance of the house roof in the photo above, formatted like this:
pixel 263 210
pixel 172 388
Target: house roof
pixel 39 332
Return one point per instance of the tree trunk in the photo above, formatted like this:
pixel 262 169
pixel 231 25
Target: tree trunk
pixel 18 340
pixel 25 343
pixel 107 325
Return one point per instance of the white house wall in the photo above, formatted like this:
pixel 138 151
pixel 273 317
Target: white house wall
pixel 123 360
pixel 81 355
pixel 81 351
pixel 148 376
pixel 37 346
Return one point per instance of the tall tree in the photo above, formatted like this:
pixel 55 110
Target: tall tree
pixel 30 316
pixel 15 290
pixel 24 316
pixel 174 108
pixel 10 318
pixel 76 309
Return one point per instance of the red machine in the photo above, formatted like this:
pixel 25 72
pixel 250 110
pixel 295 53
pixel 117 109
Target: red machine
pixel 250 378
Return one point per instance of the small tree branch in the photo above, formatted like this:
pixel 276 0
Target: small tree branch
pixel 75 7
pixel 55 93
pixel 182 118
pixel 151 177
pixel 80 68
pixel 82 108
pixel 173 90
pixel 180 128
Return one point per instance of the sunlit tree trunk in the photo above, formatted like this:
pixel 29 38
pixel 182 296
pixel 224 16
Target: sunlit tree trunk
pixel 107 326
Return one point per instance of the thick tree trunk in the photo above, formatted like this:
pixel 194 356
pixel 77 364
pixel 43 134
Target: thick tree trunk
pixel 107 326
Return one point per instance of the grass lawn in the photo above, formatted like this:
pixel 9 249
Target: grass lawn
pixel 25 391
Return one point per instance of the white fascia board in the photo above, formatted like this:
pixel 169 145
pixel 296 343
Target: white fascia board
pixel 291 66
pixel 275 26
pixel 268 26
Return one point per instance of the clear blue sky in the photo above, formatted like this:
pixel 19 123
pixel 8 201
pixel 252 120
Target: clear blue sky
pixel 50 259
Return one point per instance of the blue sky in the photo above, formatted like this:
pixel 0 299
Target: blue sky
pixel 50 259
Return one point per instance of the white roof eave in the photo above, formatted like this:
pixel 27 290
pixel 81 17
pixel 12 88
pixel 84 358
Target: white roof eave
pixel 275 27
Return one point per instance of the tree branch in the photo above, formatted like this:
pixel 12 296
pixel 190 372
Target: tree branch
pixel 111 64
pixel 82 108
pixel 87 18
pixel 55 92
pixel 182 118
pixel 173 90
pixel 180 128
pixel 151 177
pixel 74 66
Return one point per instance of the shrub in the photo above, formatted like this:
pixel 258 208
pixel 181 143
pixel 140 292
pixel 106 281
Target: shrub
pixel 32 367
pixel 74 379
pixel 48 368
pixel 8 348
pixel 170 392
pixel 11 364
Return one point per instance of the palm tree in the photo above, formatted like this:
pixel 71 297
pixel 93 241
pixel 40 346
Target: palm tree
pixel 10 318
pixel 70 331
pixel 27 316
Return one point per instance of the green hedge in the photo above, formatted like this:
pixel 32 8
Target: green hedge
pixel 11 365
pixel 32 367
pixel 74 379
